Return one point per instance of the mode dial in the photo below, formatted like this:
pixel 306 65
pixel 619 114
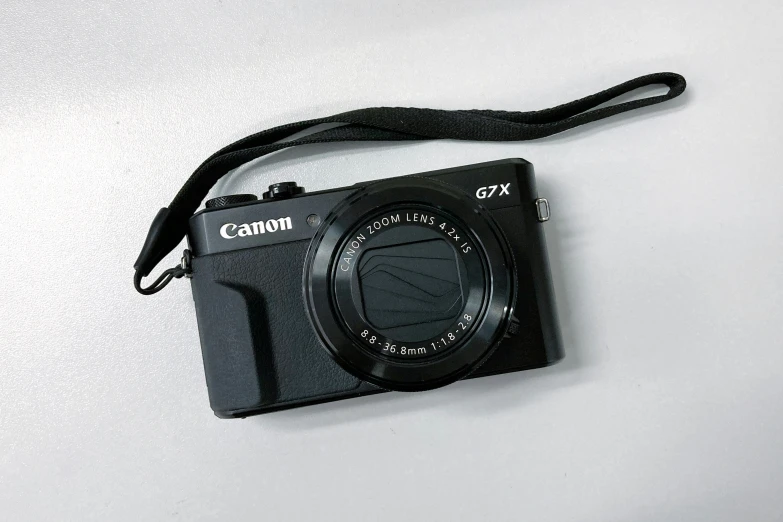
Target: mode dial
pixel 233 199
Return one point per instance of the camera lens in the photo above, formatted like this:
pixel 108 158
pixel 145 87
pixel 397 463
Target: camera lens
pixel 409 284
pixel 409 281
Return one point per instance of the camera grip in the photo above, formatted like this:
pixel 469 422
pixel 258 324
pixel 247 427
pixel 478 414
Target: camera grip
pixel 260 351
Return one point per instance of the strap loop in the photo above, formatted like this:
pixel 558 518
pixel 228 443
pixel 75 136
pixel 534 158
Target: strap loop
pixel 165 278
pixel 383 124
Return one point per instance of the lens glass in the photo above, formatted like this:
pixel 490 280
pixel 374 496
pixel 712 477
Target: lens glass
pixel 409 282
pixel 411 289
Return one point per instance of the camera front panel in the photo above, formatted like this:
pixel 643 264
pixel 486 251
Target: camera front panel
pixel 259 361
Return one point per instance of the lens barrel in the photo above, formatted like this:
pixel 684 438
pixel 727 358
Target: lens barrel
pixel 409 284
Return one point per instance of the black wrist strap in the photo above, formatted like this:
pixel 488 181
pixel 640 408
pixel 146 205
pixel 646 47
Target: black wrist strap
pixel 381 124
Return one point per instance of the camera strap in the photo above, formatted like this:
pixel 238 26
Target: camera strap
pixel 380 124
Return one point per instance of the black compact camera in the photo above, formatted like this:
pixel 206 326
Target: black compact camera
pixel 405 284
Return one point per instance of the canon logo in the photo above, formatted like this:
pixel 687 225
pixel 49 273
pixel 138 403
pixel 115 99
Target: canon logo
pixel 230 230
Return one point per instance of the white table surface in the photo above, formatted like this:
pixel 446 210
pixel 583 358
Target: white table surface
pixel 666 245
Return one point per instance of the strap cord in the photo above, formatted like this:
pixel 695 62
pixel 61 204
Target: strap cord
pixel 381 124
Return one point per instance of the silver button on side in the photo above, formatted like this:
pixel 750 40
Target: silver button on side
pixel 542 209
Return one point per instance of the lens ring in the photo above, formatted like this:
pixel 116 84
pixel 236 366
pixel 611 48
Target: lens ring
pixel 487 327
pixel 409 283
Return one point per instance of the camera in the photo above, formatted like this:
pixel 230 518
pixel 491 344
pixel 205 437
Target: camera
pixel 404 284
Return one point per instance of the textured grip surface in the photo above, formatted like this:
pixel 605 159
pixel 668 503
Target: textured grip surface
pixel 259 348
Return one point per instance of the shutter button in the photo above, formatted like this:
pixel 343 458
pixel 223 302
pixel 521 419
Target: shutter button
pixel 283 190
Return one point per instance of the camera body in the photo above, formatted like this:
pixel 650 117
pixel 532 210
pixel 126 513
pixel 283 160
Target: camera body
pixel 405 284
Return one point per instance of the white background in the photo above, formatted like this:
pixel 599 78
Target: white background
pixel 666 246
